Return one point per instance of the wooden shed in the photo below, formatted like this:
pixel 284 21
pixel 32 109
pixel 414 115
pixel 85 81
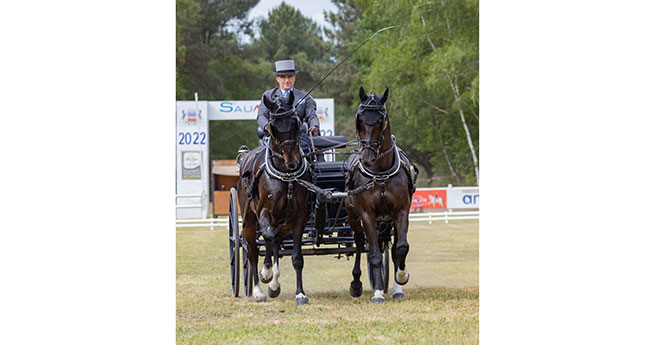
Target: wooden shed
pixel 224 176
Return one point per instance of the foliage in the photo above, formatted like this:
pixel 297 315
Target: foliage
pixel 434 46
pixel 430 62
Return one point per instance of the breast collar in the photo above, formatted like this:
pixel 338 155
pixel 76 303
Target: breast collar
pixel 383 175
pixel 281 175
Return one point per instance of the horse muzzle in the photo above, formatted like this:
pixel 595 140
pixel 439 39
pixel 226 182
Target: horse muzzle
pixel 292 165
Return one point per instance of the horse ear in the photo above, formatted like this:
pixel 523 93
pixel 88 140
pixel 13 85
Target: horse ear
pixel 267 102
pixel 383 98
pixel 291 98
pixel 363 95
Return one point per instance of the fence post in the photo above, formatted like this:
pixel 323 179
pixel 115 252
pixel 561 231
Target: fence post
pixel 446 216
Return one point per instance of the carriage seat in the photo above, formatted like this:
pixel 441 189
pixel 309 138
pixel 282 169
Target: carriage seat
pixel 320 143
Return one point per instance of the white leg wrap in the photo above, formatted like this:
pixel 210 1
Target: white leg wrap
pixel 396 288
pixel 274 284
pixel 300 295
pixel 258 294
pixel 379 294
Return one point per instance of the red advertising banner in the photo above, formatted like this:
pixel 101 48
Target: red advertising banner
pixel 429 199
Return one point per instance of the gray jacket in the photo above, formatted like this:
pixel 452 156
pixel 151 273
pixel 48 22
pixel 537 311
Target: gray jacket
pixel 306 110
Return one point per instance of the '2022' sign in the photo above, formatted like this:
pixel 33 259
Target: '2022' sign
pixel 191 138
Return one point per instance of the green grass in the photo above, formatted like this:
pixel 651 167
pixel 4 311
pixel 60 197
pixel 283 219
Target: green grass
pixel 441 305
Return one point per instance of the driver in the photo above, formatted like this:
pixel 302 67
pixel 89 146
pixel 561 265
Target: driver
pixel 285 74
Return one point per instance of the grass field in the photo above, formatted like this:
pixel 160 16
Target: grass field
pixel 441 304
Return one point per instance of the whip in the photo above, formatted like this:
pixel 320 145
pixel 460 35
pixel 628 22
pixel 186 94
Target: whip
pixel 342 61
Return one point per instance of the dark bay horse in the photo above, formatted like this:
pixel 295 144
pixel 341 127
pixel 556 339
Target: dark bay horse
pixel 380 185
pixel 272 201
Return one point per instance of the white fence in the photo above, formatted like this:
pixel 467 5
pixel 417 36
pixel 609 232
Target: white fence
pixel 413 217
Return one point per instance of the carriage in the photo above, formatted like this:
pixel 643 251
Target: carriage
pixel 357 205
pixel 327 231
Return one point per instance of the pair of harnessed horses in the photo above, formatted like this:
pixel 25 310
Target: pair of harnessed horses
pixel 273 194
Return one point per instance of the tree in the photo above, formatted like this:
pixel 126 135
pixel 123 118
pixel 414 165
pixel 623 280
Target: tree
pixel 430 62
pixel 203 35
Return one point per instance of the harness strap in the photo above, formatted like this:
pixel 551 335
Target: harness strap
pixel 313 153
pixel 249 191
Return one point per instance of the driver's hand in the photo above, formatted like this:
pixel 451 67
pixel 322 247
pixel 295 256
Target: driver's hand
pixel 315 131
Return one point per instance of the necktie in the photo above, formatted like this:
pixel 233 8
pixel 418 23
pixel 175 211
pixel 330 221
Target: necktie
pixel 286 94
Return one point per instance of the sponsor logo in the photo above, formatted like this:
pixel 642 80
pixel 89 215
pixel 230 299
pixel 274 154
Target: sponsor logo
pixel 322 114
pixel 471 199
pixel 191 116
pixel 231 107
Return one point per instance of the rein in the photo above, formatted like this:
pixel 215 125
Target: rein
pixel 339 145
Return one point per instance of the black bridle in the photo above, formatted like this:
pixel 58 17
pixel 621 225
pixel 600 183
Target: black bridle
pixel 369 144
pixel 274 115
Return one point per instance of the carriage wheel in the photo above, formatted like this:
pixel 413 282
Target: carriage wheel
pixel 234 243
pixel 248 280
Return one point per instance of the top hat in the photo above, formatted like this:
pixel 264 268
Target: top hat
pixel 284 67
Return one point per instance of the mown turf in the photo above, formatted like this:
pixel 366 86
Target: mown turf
pixel 441 305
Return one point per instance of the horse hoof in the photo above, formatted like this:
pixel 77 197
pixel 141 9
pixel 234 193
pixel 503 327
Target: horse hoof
pixel 273 294
pixel 260 298
pixel 401 277
pixel 377 300
pixel 398 296
pixel 302 301
pixel 265 281
pixel 356 292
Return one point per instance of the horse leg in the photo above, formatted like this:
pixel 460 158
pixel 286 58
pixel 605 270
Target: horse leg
pixel 274 285
pixel 250 234
pixel 397 290
pixel 266 273
pixel 298 261
pixel 375 257
pixel 358 234
pixel 400 248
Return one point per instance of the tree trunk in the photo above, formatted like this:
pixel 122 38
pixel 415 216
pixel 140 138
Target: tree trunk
pixel 457 179
pixel 454 88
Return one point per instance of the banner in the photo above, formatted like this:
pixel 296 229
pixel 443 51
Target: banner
pixel 463 197
pixel 192 165
pixel 437 199
pixel 248 110
pixel 429 199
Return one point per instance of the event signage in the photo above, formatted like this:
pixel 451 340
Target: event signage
pixel 192 146
pixel 192 163
pixel 463 197
pixel 248 110
pixel 437 199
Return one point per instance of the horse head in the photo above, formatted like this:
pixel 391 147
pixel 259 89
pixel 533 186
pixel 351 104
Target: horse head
pixel 284 129
pixel 371 126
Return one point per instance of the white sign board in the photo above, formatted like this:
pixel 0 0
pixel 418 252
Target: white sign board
pixel 192 160
pixel 463 197
pixel 248 110
pixel 192 146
